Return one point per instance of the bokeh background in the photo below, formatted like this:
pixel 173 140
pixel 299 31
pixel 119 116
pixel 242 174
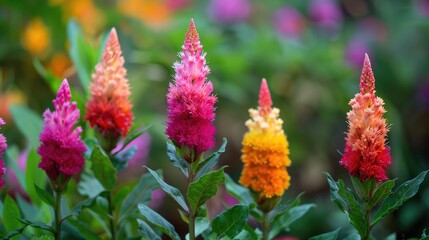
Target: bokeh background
pixel 310 52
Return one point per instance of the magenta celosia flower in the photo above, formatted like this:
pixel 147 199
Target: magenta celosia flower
pixel 3 146
pixel 326 14
pixel 190 100
pixel 288 22
pixel 61 148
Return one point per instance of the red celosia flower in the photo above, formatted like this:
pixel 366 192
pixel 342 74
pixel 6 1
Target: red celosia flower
pixel 190 100
pixel 109 109
pixel 366 154
pixel 61 148
pixel 3 146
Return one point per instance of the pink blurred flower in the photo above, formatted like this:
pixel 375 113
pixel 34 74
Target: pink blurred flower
pixel 423 7
pixel 355 51
pixel 3 146
pixel 12 182
pixel 326 14
pixel 191 101
pixel 288 22
pixel 176 5
pixel 229 11
pixel 61 148
pixel 158 196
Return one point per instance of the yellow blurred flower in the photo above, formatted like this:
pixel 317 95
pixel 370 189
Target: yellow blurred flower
pixel 59 65
pixel 36 37
pixel 154 13
pixel 6 99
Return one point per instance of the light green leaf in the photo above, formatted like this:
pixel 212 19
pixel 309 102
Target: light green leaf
pixel 283 221
pixel 146 231
pixel 170 190
pixel 29 123
pixel 103 168
pixel 176 159
pixel 201 224
pixel 241 193
pixel 89 186
pixel 34 175
pixel 45 196
pixel 391 237
pixel 335 197
pixel 353 210
pixel 230 222
pixel 157 220
pixel 11 214
pixel 285 205
pixel 207 164
pixel 382 191
pixel 404 192
pixel 326 236
pixel 204 188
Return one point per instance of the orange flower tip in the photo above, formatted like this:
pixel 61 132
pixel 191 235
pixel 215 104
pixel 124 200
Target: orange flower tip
pixel 264 101
pixel 192 38
pixel 367 80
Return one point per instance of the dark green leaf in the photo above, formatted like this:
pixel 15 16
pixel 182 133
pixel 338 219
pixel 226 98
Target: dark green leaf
pixel 241 193
pixel 88 203
pixel 103 168
pixel 28 123
pixel 204 188
pixel 382 191
pixel 38 225
pixel 45 196
pixel 10 214
pixel 34 175
pixel 283 221
pixel 89 186
pixel 391 237
pixel 142 193
pixel 404 192
pixel 170 190
pixel 353 210
pixel 120 160
pixel 285 204
pixel 155 219
pixel 230 222
pixel 146 231
pixel 335 197
pixel 206 164
pixel 327 236
pixel 176 159
pixel 201 224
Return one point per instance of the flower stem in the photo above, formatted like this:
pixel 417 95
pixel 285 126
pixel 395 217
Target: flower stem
pixel 111 217
pixel 191 219
pixel 367 216
pixel 266 225
pixel 57 211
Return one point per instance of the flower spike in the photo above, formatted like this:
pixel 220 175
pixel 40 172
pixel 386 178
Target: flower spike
pixel 367 80
pixel 264 101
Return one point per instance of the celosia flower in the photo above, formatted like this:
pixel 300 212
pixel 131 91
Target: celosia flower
pixel 366 155
pixel 61 148
pixel 3 146
pixel 190 101
pixel 109 109
pixel 265 152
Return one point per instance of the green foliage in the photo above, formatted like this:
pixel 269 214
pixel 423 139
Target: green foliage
pixel 157 220
pixel 45 196
pixel 11 214
pixel 34 175
pixel 146 231
pixel 327 236
pixel 204 166
pixel 230 222
pixel 241 193
pixel 28 123
pixel 103 168
pixel 176 159
pixel 285 218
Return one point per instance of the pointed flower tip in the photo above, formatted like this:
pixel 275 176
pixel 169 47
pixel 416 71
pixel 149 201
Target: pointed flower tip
pixel 192 38
pixel 367 80
pixel 264 101
pixel 63 94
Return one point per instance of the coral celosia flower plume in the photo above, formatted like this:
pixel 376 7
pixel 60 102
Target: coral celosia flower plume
pixel 3 146
pixel 61 148
pixel 109 109
pixel 265 152
pixel 190 100
pixel 366 154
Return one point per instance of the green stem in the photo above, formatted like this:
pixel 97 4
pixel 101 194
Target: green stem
pixel 111 217
pixel 367 215
pixel 191 219
pixel 57 211
pixel 266 226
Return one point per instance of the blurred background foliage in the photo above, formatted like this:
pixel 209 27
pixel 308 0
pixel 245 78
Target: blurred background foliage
pixel 311 53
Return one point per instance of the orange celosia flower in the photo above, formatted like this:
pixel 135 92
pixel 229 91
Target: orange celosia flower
pixel 109 109
pixel 366 154
pixel 265 152
pixel 36 37
pixel 154 13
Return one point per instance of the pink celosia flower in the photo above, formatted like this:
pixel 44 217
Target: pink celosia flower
pixel 3 146
pixel 190 100
pixel 288 22
pixel 109 109
pixel 61 148
pixel 366 155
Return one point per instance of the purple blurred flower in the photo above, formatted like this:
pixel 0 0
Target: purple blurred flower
pixel 158 196
pixel 423 7
pixel 229 11
pixel 326 14
pixel 229 199
pixel 355 51
pixel 13 185
pixel 423 94
pixel 288 22
pixel 3 146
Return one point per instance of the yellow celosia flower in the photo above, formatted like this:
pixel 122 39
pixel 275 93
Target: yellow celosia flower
pixel 265 152
pixel 36 37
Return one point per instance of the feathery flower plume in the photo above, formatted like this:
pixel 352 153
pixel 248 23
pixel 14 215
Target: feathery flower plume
pixel 3 146
pixel 366 154
pixel 61 148
pixel 265 152
pixel 109 108
pixel 190 100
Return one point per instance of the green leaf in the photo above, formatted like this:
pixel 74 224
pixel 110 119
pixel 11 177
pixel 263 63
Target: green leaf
pixel 176 159
pixel 146 231
pixel 120 160
pixel 88 203
pixel 206 164
pixel 230 222
pixel 285 204
pixel 283 221
pixel 241 193
pixel 170 190
pixel 34 175
pixel 89 186
pixel 28 123
pixel 11 214
pixel 404 192
pixel 38 225
pixel 201 224
pixel 45 196
pixel 103 168
pixel 382 191
pixel 391 237
pixel 142 193
pixel 132 136
pixel 335 197
pixel 50 79
pixel 326 236
pixel 155 219
pixel 204 188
